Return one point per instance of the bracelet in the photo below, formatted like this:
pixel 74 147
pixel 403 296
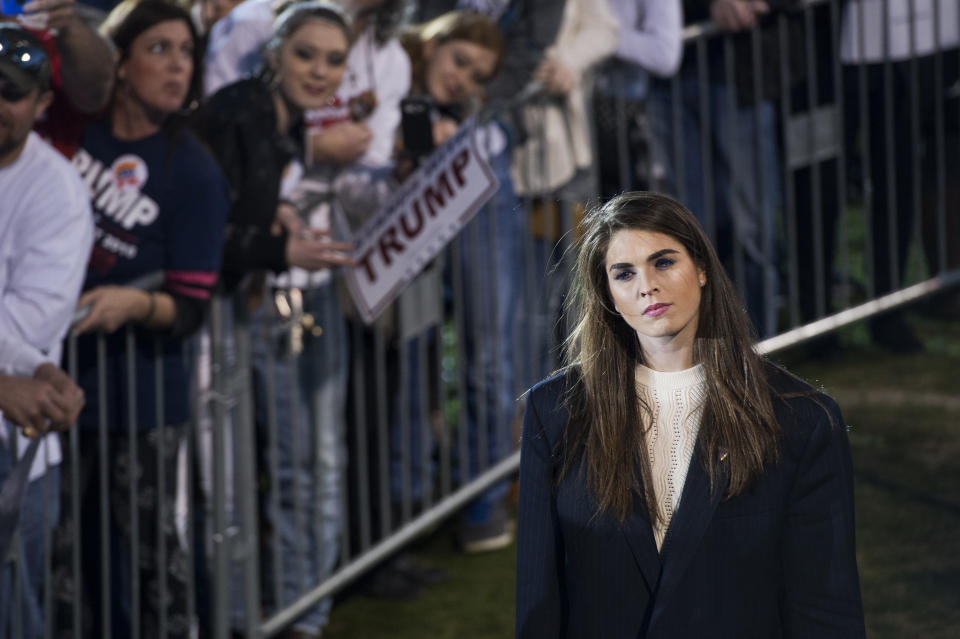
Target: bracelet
pixel 289 203
pixel 153 307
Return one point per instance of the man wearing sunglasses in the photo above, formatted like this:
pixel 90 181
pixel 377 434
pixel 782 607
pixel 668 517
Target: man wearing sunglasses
pixel 85 57
pixel 82 62
pixel 46 230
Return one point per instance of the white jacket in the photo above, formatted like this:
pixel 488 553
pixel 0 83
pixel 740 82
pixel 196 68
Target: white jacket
pixel 558 142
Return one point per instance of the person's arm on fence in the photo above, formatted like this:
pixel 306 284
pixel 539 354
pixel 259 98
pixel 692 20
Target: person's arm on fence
pixel 29 403
pixel 737 15
pixel 192 260
pixel 114 306
pixel 46 245
pixel 741 15
pixel 593 38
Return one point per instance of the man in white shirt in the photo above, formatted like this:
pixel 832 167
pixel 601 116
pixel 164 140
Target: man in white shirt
pixel 46 230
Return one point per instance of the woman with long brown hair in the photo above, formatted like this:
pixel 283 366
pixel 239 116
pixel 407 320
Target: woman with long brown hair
pixel 159 203
pixel 453 57
pixel 673 483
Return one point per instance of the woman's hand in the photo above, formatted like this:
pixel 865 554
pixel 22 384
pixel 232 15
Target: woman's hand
pixel 557 78
pixel 111 307
pixel 443 130
pixel 737 15
pixel 341 143
pixel 287 219
pixel 313 250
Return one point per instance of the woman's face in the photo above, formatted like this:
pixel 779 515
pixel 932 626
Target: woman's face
pixel 456 70
pixel 311 63
pixel 655 285
pixel 159 66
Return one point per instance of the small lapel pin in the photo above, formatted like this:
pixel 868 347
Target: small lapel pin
pixel 723 455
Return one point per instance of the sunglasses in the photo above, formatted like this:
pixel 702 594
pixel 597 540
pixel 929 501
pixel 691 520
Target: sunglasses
pixel 28 57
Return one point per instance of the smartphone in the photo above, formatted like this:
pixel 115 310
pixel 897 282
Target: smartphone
pixel 13 7
pixel 416 126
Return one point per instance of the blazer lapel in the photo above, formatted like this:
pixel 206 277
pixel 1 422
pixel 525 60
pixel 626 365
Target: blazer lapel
pixel 639 536
pixel 687 527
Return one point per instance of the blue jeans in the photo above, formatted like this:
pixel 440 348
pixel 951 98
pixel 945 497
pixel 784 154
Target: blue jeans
pixel 739 219
pixel 492 283
pixel 305 449
pixel 38 515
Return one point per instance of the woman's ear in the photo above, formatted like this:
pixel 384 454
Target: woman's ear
pixel 702 276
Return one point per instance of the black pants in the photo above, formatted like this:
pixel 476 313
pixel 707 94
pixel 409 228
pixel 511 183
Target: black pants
pixel 903 166
pixel 93 585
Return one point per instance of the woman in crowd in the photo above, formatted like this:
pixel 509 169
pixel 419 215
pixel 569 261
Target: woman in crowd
pixel 453 58
pixel 160 205
pixel 673 483
pixel 255 128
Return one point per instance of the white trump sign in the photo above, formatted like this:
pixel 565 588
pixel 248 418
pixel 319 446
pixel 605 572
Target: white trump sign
pixel 420 219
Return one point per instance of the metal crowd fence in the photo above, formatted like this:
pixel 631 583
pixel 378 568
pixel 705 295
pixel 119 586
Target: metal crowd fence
pixel 319 447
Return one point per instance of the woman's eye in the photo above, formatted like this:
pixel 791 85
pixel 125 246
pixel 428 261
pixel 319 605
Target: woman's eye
pixel 158 47
pixel 303 54
pixel 623 276
pixel 460 60
pixel 336 59
pixel 187 51
pixel 664 262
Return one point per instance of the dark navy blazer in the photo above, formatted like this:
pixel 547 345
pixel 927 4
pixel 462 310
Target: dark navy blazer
pixel 776 561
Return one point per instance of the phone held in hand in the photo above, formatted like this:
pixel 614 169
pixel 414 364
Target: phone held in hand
pixel 13 7
pixel 416 126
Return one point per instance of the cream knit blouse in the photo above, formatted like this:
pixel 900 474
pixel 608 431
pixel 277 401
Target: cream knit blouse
pixel 676 401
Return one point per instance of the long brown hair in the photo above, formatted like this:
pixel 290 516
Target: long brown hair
pixel 609 420
pixel 130 18
pixel 475 28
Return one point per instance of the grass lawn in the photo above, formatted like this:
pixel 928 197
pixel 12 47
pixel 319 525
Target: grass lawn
pixel 904 413
pixel 475 602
